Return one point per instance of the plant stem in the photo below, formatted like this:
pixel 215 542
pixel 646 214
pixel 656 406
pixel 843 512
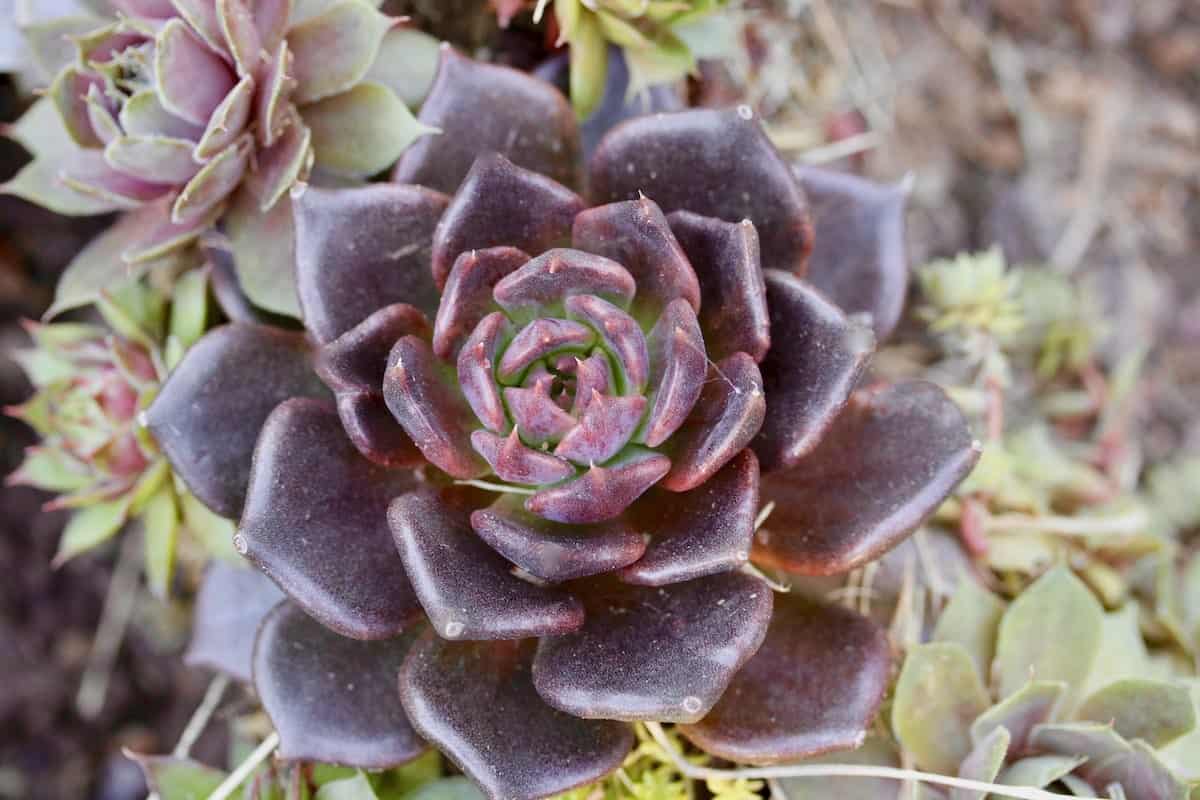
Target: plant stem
pixel 204 712
pixel 842 771
pixel 239 775
pixel 114 620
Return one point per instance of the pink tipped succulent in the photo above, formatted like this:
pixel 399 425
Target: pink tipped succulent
pixel 178 104
pixel 554 423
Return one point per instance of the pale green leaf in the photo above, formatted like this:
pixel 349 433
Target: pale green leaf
pixel 938 695
pixel 51 470
pixel 1038 771
pixel 399 783
pixel 1183 755
pixel 362 131
pixel 1122 651
pixel 983 763
pixel 41 132
pixel 1051 632
pixel 1032 704
pixel 407 61
pixel 264 252
pixel 213 531
pixel 39 183
pixel 160 519
pixel 189 307
pixel 333 50
pixel 589 63
pixel 355 788
pixel 972 618
pixel 456 788
pixel 178 778
pixel 1154 711
pixel 90 527
pixel 99 266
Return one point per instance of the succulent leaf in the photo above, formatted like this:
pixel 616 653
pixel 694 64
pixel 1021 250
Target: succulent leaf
pixel 231 604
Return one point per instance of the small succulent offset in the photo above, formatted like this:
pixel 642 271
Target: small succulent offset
pixel 195 110
pixel 1095 713
pixel 92 382
pixel 552 428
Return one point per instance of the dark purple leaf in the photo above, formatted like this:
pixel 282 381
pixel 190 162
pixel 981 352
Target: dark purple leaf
pixel 663 654
pixel 700 532
pixel 616 105
pixel 476 702
pixel 468 590
pixel 889 460
pixel 333 699
pixel 513 462
pixel 538 419
pixel 231 603
pixel 315 521
pixel 858 259
pixel 500 203
pixel 420 393
pixel 812 687
pixel 353 366
pixel 678 366
pixel 808 375
pixel 716 163
pixel 467 297
pixel 622 336
pixel 546 281
pixel 635 234
pixel 606 426
pixel 477 372
pixel 601 493
pixel 209 412
pixel 725 419
pixel 486 108
pixel 539 339
pixel 553 551
pixel 358 250
pixel 733 306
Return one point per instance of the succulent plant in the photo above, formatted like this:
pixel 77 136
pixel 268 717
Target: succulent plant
pixel 92 383
pixel 551 430
pixel 201 110
pixel 988 699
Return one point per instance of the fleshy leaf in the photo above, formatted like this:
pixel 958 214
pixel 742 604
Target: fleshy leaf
pixel 361 131
pixel 663 654
pixel 733 305
pixel 741 176
pixel 333 50
pixel 172 778
pixel 812 687
pixel 500 203
pixel 353 366
pixel 809 378
pixel 972 618
pixel 983 763
pixel 1140 772
pixel 508 112
pixel 467 589
pixel 938 694
pixel 69 93
pixel 90 527
pixel 635 234
pixel 889 460
pixel 514 462
pixel 858 259
pixel 699 532
pixel 547 281
pixel 601 493
pixel 1057 608
pixel 192 80
pixel 1153 711
pixel 231 603
pixel 210 410
pixel 152 158
pixel 622 337
pixel 263 249
pixel 406 64
pixel 467 295
pixel 315 521
pixel 420 392
pixel 678 366
pixel 552 551
pixel 333 699
pixel 724 420
pixel 1033 704
pixel 477 373
pixel 1038 771
pixel 228 120
pixel 358 250
pixel 215 181
pixel 540 338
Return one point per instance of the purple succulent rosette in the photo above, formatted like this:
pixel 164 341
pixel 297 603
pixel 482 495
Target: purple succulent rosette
pixel 553 424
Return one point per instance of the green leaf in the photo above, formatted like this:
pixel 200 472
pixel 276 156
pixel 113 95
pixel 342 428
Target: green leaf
pixel 211 530
pixel 44 367
pixel 668 61
pixel 1155 711
pixel 1032 704
pixel 1038 771
pixel 355 788
pixel 1122 651
pixel 394 784
pixel 134 311
pixel 90 527
pixel 1052 632
pixel 333 50
pixel 361 131
pixel 972 618
pixel 406 64
pixel 189 307
pixel 264 252
pixel 589 63
pixel 456 788
pixel 51 470
pixel 161 521
pixel 178 778
pixel 1183 755
pixel 983 763
pixel 38 182
pixel 99 266
pixel 938 694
